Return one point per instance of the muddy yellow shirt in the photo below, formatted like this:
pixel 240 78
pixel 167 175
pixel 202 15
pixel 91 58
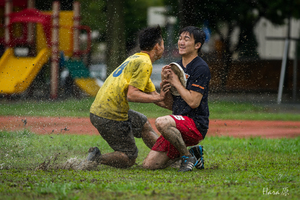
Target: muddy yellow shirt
pixel 111 100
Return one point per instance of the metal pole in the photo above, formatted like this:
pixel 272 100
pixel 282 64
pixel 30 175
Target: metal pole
pixel 55 49
pixel 282 73
pixel 8 10
pixel 76 24
pixel 295 73
pixel 30 25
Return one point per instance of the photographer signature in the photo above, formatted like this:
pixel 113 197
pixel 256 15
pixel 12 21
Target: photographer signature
pixel 284 191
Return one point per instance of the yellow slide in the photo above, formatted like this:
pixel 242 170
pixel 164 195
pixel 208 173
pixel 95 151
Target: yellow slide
pixel 17 73
pixel 89 85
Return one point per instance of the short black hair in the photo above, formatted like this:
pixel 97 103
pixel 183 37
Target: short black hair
pixel 196 32
pixel 149 37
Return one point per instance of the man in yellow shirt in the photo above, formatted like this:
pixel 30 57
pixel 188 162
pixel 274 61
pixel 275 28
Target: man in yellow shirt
pixel 110 113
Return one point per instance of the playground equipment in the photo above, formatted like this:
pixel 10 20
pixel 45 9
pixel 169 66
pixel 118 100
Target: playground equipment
pixel 45 35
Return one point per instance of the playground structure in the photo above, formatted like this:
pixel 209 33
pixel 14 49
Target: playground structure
pixel 31 38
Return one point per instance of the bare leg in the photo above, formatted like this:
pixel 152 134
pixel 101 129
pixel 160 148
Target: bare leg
pixel 116 159
pixel 167 127
pixel 149 136
pixel 156 160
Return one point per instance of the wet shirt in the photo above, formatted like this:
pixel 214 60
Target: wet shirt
pixel 111 100
pixel 198 77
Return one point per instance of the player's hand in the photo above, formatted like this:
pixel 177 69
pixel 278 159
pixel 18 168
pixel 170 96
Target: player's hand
pixel 172 78
pixel 165 71
pixel 164 88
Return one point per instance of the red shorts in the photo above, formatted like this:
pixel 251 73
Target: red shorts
pixel 190 134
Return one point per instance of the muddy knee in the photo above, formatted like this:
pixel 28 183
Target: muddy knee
pixel 160 122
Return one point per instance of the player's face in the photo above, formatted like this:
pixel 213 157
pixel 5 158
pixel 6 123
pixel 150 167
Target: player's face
pixel 161 49
pixel 186 44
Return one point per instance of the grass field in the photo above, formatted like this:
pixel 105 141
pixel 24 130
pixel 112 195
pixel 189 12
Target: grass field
pixel 252 168
pixel 234 169
pixel 80 108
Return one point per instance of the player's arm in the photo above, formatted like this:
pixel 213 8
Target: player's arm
pixel 135 95
pixel 168 102
pixel 192 98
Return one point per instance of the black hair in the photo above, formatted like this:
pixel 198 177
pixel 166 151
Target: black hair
pixel 196 32
pixel 149 37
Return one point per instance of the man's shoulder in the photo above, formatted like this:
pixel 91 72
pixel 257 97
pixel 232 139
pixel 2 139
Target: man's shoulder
pixel 140 55
pixel 200 61
pixel 139 58
pixel 198 64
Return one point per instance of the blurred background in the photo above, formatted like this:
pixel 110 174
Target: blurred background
pixel 252 47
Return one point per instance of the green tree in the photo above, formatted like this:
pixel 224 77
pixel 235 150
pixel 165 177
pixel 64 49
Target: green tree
pixel 118 22
pixel 93 14
pixel 115 34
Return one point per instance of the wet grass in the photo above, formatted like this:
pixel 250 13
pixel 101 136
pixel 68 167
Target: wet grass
pixel 80 108
pixel 252 168
pixel 69 107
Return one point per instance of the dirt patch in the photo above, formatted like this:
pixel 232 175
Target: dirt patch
pixel 81 125
pixel 47 125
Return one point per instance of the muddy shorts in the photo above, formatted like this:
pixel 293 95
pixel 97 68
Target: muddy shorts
pixel 120 134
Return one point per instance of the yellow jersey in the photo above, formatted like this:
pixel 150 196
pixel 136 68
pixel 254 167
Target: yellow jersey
pixel 111 100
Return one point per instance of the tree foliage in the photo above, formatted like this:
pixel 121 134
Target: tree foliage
pixel 118 22
pixel 115 34
pixel 94 14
